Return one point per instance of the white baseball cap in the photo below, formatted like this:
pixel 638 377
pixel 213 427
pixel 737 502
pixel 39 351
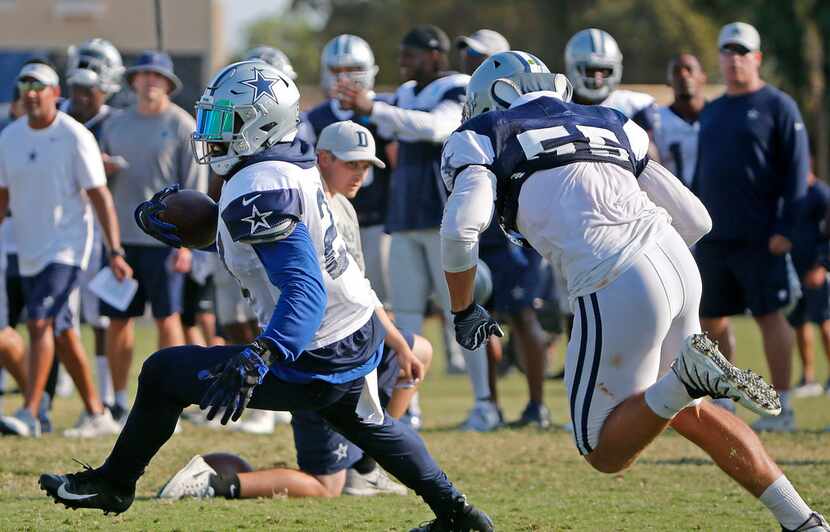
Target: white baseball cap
pixel 485 42
pixel 40 72
pixel 349 141
pixel 740 33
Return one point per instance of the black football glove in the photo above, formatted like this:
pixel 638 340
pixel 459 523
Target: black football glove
pixel 146 217
pixel 234 381
pixel 473 326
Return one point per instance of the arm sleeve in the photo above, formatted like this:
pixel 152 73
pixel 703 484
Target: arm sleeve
pixel 431 126
pixel 466 215
pixel 263 216
pixel 292 267
pixel 4 183
pixel 793 165
pixel 89 167
pixel 689 216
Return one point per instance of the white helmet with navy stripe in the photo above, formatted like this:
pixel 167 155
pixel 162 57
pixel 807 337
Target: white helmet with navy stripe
pixel 354 56
pixel 95 63
pixel 245 108
pixel 502 77
pixel 274 57
pixel 589 50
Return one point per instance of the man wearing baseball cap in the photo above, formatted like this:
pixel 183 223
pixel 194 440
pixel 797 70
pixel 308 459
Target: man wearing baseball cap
pixel 751 175
pixel 475 48
pixel 50 173
pixel 152 138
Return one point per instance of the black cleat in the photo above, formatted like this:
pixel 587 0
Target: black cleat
pixel 87 489
pixel 464 518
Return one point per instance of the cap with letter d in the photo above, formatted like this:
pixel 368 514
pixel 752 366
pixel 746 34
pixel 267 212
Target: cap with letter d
pixel 349 141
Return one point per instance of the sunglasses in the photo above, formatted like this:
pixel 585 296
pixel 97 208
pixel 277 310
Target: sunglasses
pixel 34 85
pixel 734 49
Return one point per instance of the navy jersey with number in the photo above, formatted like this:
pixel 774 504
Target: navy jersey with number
pixel 540 133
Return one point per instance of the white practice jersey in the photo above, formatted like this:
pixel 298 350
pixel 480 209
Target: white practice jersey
pixel 676 141
pixel 627 102
pixel 248 203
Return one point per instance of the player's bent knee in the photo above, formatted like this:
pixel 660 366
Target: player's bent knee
pixel 422 349
pixel 605 464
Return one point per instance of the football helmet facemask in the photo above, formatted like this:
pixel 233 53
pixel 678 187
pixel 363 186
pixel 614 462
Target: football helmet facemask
pixel 590 50
pixel 347 56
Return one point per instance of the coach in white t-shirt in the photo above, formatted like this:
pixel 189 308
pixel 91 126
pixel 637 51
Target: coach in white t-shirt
pixel 50 172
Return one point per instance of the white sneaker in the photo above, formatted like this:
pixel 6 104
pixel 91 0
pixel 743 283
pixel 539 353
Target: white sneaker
pixel 703 370
pixel 93 426
pixel 256 422
pixel 282 417
pixel 22 423
pixel 193 480
pixel 808 389
pixel 484 417
pixel 376 482
pixel 783 422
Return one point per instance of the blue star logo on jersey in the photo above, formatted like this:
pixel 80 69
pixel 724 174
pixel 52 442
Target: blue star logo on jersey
pixel 258 219
pixel 262 86
pixel 32 156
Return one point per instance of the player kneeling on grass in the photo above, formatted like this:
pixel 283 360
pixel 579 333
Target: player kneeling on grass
pixel 321 340
pixel 575 182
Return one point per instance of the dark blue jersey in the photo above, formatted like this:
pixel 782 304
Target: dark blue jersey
pixel 417 196
pixel 538 133
pixel 752 165
pixel 373 198
pixel 810 245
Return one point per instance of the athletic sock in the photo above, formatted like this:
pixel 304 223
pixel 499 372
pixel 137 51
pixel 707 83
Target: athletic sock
pixel 104 380
pixel 785 503
pixel 365 465
pixel 121 399
pixel 477 370
pixel 667 396
pixel 226 486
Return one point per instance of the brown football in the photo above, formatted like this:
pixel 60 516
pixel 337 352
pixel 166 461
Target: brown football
pixel 195 216
pixel 227 463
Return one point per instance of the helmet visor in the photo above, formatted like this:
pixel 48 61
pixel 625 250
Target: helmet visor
pixel 214 122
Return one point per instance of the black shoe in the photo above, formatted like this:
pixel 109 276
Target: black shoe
pixel 464 518
pixel 87 489
pixel 533 414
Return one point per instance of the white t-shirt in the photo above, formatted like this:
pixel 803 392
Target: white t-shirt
pixel 46 172
pixel 676 142
pixel 350 299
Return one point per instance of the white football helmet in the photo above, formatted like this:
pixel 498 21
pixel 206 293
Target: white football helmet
pixel 503 77
pixel 348 51
pixel 274 57
pixel 593 49
pixel 246 107
pixel 95 63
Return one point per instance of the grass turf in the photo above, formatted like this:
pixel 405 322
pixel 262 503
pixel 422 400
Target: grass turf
pixel 525 479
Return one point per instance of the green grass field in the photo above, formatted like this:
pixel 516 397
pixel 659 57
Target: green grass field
pixel 525 479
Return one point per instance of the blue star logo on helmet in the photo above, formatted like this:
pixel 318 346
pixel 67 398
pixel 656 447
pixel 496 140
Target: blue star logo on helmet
pixel 263 86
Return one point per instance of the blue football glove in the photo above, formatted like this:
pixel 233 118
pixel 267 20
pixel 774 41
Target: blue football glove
pixel 234 381
pixel 473 326
pixel 146 217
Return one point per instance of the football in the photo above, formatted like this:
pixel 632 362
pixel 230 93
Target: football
pixel 227 463
pixel 195 216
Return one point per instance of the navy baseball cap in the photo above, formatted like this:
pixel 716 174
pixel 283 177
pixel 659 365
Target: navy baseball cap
pixel 158 62
pixel 427 37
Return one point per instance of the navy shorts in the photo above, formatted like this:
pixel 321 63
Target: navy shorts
pixel 323 451
pixel 814 306
pixel 47 294
pixel 741 275
pixel 156 284
pixel 14 291
pixel 517 277
pixel 196 299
